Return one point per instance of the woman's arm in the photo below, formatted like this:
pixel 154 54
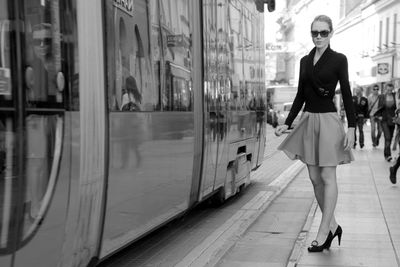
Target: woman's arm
pixel 346 92
pixel 298 100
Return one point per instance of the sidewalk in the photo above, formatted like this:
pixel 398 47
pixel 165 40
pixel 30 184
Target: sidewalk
pixel 368 210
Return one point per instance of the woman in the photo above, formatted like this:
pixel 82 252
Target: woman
pixel 319 139
pixel 131 97
pixel 386 113
pixel 396 121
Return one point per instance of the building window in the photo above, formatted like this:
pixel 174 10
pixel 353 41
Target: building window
pixel 394 28
pixel 347 6
pixel 380 35
pixel 387 32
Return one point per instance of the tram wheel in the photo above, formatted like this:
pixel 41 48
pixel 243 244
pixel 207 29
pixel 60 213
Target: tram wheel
pixel 218 198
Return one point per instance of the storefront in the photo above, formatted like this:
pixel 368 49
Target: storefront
pixel 387 71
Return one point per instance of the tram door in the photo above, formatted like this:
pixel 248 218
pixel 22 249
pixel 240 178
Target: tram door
pixel 215 87
pixel 32 105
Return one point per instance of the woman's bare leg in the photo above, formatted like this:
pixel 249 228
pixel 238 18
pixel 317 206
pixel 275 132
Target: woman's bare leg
pixel 328 177
pixel 318 184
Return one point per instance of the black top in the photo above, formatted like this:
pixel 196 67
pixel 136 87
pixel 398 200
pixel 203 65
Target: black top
pixel 360 106
pixel 386 110
pixel 317 85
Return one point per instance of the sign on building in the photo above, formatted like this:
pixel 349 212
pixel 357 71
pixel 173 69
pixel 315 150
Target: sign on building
pixel 384 70
pixel 125 5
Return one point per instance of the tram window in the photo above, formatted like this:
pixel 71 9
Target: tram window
pixel 176 31
pixel 6 94
pixel 5 55
pixel 42 55
pixel 133 54
pixel 31 125
pixel 237 88
pixel 45 95
pixel 156 50
pixel 143 43
pixel 182 95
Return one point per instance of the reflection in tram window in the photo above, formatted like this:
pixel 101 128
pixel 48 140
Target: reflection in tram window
pixel 236 56
pixel 40 144
pixel 129 54
pixel 5 70
pixel 43 59
pixel 131 97
pixel 144 43
pixel 2 148
pixel 176 31
pixel 28 124
pixel 181 95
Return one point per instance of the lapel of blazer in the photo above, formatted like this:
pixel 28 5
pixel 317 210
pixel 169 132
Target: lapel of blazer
pixel 323 59
pixel 310 68
pixel 313 70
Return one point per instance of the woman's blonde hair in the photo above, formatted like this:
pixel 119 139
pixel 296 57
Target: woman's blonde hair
pixel 325 19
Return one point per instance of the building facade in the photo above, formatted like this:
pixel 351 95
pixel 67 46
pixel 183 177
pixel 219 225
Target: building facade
pixel 366 31
pixel 369 36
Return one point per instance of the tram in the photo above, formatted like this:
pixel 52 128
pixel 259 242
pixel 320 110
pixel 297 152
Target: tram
pixel 117 116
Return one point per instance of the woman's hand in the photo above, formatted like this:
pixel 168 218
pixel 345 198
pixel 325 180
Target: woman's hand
pixel 279 130
pixel 349 139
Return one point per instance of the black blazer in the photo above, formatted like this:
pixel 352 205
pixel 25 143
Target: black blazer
pixel 361 109
pixel 317 85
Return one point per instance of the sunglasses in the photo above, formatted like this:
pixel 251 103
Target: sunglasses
pixel 323 34
pixel 44 41
pixel 376 89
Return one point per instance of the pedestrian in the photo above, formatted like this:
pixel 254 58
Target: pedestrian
pixel 396 138
pixel 361 111
pixel 386 113
pixel 393 171
pixel 376 127
pixel 319 139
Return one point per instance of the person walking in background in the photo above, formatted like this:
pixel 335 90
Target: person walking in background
pixel 319 139
pixel 376 128
pixel 396 138
pixel 386 112
pixel 393 171
pixel 361 111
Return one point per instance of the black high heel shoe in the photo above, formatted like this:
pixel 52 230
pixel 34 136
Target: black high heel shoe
pixel 314 245
pixel 338 233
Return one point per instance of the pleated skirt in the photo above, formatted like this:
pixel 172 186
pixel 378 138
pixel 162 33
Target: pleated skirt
pixel 318 139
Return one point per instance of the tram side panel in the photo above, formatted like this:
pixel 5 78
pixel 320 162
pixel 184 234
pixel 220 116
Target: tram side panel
pixel 259 89
pixel 233 87
pixel 42 238
pixel 151 134
pixel 88 145
pixel 214 138
pixel 149 173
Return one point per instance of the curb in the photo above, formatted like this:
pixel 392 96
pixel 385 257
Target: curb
pixel 302 237
pixel 215 246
